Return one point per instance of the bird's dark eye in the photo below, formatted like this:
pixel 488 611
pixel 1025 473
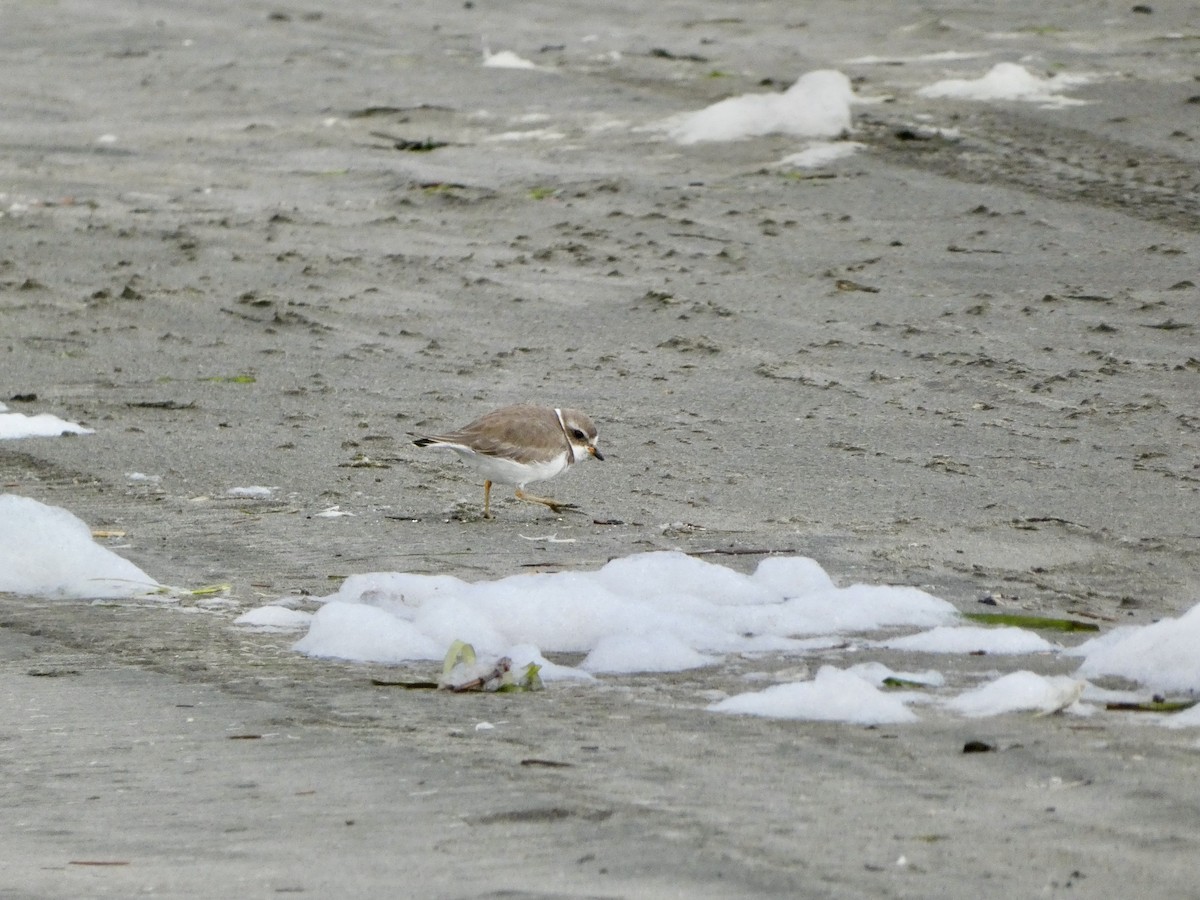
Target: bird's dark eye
pixel 579 434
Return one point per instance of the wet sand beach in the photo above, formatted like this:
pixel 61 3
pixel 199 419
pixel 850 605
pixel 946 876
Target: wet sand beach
pixel 263 243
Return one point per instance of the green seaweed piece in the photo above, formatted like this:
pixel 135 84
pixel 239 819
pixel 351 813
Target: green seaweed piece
pixel 529 680
pixel 1018 620
pixel 231 379
pixel 1153 706
pixel 893 682
pixel 459 652
pixel 209 589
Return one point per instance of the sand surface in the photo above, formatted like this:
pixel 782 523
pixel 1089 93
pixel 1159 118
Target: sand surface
pixel 966 361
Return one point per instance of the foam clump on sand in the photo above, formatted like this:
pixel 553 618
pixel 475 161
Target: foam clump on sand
pixel 1018 692
pixel 816 106
pixel 972 639
pixel 367 633
pixel 1008 81
pixel 274 617
pixel 834 695
pixel 1163 656
pixel 650 612
pixel 506 59
pixel 251 492
pixel 46 551
pixel 658 612
pixel 14 425
pixel 820 153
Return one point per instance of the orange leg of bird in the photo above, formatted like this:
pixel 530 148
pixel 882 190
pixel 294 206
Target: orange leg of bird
pixel 487 499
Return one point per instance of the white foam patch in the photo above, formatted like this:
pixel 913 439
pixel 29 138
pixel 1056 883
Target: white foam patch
pixel 877 673
pixel 253 492
pixel 1164 656
pixel 506 59
pixel 817 105
pixel 648 612
pixel 354 631
pixel 972 639
pixel 1009 81
pixel 819 154
pixel 628 653
pixel 792 576
pixel 46 551
pixel 834 695
pixel 858 608
pixel 524 654
pixel 333 512
pixel 1189 718
pixel 14 426
pixel 274 618
pixel 1018 692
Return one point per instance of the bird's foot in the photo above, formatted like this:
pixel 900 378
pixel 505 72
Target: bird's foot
pixel 554 505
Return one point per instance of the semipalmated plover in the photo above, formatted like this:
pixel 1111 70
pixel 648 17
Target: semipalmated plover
pixel 519 444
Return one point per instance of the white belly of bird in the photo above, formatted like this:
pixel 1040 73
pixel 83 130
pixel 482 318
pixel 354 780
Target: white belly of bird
pixel 505 471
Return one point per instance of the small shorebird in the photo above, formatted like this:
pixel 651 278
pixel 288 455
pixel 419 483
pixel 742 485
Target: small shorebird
pixel 519 444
